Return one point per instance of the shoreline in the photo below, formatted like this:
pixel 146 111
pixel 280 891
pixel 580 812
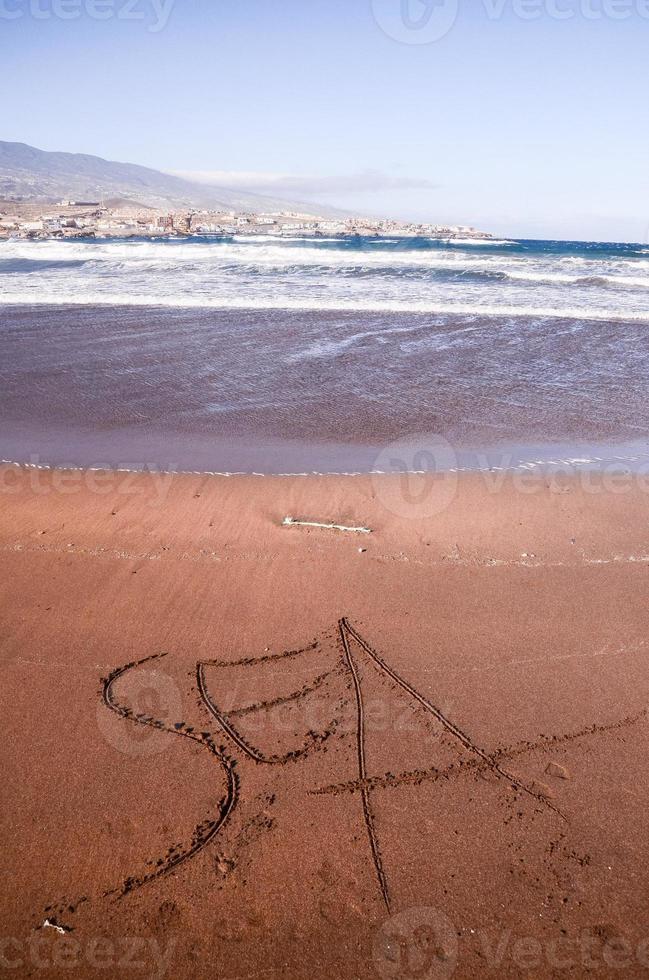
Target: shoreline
pixel 507 457
pixel 416 309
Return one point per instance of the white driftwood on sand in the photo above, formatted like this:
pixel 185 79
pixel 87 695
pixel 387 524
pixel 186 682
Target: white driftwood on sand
pixel 52 925
pixel 291 522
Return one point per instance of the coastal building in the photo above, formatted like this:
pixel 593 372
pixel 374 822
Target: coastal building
pixel 127 218
pixel 332 227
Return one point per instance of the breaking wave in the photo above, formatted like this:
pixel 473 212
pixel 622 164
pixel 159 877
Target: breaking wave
pixel 497 277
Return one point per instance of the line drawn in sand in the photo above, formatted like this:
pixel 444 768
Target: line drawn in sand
pixel 208 829
pixel 348 632
pixel 352 646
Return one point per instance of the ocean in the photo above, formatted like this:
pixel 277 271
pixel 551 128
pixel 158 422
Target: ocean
pixel 292 355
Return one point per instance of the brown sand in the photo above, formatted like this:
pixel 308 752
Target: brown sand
pixel 482 667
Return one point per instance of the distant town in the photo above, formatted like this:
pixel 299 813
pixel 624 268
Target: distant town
pixel 98 219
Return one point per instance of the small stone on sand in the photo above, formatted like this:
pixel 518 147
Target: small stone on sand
pixel 542 789
pixel 554 769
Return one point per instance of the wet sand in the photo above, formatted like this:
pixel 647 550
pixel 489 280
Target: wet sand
pixel 287 391
pixel 238 749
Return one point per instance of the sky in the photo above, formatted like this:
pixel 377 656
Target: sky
pixel 527 118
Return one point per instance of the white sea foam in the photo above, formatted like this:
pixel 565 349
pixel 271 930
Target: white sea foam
pixel 287 302
pixel 474 242
pixel 384 276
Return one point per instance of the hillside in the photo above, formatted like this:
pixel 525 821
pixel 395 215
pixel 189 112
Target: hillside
pixel 27 172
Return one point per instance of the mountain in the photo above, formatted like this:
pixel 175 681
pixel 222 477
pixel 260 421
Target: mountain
pixel 27 172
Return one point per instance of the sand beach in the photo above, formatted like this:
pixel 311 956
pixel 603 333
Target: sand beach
pixel 235 747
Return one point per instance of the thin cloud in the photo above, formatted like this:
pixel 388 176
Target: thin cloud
pixel 368 182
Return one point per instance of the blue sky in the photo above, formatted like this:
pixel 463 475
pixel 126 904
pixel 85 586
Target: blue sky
pixel 520 118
